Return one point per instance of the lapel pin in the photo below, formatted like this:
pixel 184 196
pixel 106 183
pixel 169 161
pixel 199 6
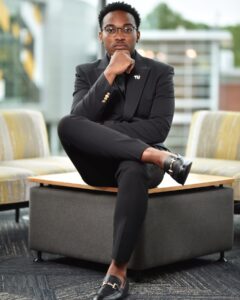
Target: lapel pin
pixel 137 76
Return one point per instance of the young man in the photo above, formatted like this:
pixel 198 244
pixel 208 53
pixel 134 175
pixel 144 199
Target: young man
pixel 122 111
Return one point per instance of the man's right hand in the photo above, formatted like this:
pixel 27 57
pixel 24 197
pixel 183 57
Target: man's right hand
pixel 120 62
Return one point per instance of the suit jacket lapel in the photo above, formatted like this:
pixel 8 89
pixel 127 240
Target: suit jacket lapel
pixel 135 86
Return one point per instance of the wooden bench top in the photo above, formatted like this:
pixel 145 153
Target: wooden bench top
pixel 74 180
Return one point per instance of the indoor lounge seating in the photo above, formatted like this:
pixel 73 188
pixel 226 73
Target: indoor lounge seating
pixel 214 145
pixel 24 151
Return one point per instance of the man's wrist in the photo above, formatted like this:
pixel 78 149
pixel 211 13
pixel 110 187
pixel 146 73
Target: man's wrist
pixel 110 76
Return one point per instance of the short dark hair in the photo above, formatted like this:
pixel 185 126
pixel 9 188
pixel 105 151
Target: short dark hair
pixel 119 6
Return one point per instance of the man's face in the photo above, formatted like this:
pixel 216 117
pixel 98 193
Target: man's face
pixel 119 40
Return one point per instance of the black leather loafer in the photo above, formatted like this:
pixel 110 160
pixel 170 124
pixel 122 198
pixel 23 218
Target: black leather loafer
pixel 112 288
pixel 178 168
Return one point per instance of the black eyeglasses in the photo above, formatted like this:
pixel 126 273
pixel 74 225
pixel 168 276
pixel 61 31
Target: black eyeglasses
pixel 111 29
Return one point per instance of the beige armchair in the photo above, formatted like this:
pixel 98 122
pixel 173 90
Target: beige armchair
pixel 24 151
pixel 214 145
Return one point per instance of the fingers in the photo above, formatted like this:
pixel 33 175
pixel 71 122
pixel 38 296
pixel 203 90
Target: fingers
pixel 130 68
pixel 121 62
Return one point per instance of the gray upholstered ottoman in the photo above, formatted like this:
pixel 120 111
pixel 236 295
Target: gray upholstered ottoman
pixel 180 224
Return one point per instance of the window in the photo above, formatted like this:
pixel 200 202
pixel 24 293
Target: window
pixel 20 51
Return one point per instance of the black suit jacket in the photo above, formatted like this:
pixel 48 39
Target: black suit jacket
pixel 149 100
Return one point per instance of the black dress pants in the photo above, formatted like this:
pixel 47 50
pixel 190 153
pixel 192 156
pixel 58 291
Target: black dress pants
pixel 105 157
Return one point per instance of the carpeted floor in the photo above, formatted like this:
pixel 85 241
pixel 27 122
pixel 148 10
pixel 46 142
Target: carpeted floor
pixel 70 279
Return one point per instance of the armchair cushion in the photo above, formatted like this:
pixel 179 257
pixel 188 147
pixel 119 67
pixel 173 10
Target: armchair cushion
pixel 22 134
pixel 42 165
pixel 13 185
pixel 214 145
pixel 221 167
pixel 215 134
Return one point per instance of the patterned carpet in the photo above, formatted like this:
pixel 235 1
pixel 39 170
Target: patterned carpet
pixel 69 279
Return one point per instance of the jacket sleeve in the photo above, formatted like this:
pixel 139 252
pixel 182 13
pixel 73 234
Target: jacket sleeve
pixel 90 100
pixel 155 128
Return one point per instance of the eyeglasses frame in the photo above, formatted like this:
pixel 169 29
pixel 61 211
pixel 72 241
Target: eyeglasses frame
pixel 119 28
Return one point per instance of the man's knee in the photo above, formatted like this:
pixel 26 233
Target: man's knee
pixel 63 126
pixel 68 125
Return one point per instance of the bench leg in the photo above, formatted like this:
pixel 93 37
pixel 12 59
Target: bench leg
pixel 17 213
pixel 39 257
pixel 222 257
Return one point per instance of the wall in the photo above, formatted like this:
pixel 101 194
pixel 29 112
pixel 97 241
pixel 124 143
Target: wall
pixel 229 96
